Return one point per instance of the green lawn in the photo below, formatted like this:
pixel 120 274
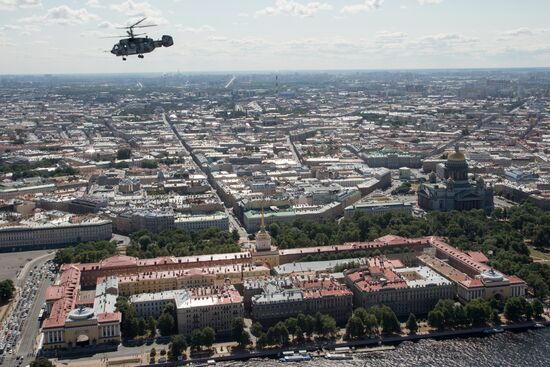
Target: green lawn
pixel 538 255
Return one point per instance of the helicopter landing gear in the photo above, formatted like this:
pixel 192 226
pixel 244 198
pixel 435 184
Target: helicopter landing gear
pixel 141 56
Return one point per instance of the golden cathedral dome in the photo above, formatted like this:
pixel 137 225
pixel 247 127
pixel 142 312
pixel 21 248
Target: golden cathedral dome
pixel 457 155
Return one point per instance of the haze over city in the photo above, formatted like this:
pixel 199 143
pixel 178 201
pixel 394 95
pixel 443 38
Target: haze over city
pixel 64 36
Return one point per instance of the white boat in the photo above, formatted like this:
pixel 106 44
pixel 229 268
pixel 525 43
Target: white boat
pixel 338 356
pixel 538 325
pixel 291 356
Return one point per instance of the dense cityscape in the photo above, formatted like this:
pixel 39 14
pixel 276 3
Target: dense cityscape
pixel 181 218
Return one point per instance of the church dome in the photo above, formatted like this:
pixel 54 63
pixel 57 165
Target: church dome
pixel 456 156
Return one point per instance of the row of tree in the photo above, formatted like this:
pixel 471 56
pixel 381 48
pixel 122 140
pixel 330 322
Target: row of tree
pixel 517 308
pixel 478 312
pixel 369 321
pixel 21 170
pixel 297 328
pixel 85 252
pixel 177 242
pixel 144 244
pixel 205 337
pixel 446 314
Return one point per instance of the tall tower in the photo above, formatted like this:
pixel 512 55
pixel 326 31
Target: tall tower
pixel 263 239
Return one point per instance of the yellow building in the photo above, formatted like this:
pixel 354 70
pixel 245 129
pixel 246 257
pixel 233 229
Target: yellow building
pixel 264 252
pixel 70 325
pixel 153 282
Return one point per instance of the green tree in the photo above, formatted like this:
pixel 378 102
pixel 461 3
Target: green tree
pixel 538 283
pixel 371 323
pixel 447 308
pixel 262 340
pixel 328 326
pixel 239 333
pixel 309 325
pixel 542 236
pixel 478 311
pixel 355 327
pixel 256 329
pixel 538 308
pixel 361 313
pixel 144 242
pixel 460 317
pixel 166 324
pixel 149 163
pixel 142 326
pixel 412 325
pixel 41 362
pixel 152 326
pixel 178 345
pixel 278 334
pixel 129 326
pixel 170 308
pixel 291 324
pixel 299 335
pixel 153 352
pixel 86 252
pixel 514 308
pixel 208 336
pixel 196 339
pixel 6 290
pixel 64 256
pixel 390 323
pixel 435 319
pixel 124 153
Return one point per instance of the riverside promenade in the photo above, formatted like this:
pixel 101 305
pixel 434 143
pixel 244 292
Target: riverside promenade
pixel 318 346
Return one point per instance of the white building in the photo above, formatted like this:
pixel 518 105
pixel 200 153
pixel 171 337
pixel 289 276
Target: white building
pixel 53 232
pixel 190 223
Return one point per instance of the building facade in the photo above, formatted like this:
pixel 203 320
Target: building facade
pixel 214 307
pixel 453 190
pixel 37 236
pixel 275 299
pixel 73 322
pixel 405 290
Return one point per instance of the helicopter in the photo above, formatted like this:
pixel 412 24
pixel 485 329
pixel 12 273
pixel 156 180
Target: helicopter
pixel 138 45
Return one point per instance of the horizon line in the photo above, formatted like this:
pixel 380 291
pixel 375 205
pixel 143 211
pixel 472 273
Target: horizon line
pixel 271 71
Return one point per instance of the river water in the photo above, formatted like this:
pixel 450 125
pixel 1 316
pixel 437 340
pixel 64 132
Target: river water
pixel 525 349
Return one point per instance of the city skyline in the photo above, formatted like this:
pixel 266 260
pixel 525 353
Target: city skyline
pixel 65 36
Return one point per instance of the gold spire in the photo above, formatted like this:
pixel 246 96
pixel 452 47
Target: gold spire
pixel 262 224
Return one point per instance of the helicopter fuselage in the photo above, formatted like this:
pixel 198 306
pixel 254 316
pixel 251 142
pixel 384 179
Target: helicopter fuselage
pixel 139 45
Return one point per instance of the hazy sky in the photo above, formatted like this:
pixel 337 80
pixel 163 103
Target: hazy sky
pixel 64 36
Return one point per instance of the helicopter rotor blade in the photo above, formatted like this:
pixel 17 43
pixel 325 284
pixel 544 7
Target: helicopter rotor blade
pixel 114 36
pixel 131 26
pixel 135 24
